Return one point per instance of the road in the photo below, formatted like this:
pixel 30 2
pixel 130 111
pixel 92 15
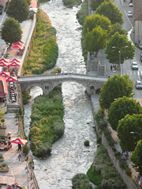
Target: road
pixel 126 67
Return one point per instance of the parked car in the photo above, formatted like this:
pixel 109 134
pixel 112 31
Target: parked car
pixel 134 66
pixel 130 4
pixel 129 14
pixel 138 84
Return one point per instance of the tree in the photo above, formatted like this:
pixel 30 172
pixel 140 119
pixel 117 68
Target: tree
pixel 109 10
pixel 18 9
pixel 95 3
pixel 120 108
pixel 117 28
pixel 11 31
pixel 95 40
pixel 130 131
pixel 119 49
pixel 115 87
pixel 95 20
pixel 137 156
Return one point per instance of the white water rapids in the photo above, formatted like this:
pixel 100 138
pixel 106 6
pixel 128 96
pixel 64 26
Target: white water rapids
pixel 69 155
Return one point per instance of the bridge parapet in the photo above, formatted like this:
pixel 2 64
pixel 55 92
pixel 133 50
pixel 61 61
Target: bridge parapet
pixel 48 83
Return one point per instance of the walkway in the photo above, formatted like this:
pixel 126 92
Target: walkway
pixel 17 172
pixel 17 169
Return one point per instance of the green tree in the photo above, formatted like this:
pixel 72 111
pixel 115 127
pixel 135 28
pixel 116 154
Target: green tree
pixel 120 108
pixel 130 131
pixel 109 10
pixel 18 9
pixel 96 3
pixel 119 49
pixel 115 87
pixel 137 156
pixel 95 40
pixel 11 31
pixel 117 28
pixel 95 20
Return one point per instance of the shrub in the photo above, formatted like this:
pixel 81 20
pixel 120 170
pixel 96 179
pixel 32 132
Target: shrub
pixel 71 3
pixel 94 175
pixel 46 123
pixel 83 12
pixel 26 149
pixel 81 181
pixel 44 50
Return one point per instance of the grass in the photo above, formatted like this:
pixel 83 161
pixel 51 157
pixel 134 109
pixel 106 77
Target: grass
pixel 44 50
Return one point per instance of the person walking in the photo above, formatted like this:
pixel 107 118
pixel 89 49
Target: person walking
pixel 19 156
pixel 19 147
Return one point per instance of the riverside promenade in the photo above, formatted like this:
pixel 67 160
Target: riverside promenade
pixel 19 172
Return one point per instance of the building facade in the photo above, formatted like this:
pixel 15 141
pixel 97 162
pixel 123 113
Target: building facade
pixel 137 18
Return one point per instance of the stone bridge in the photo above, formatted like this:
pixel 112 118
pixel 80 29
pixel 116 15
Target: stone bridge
pixel 49 82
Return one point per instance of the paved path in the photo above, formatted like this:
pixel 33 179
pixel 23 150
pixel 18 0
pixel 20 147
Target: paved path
pixel 17 172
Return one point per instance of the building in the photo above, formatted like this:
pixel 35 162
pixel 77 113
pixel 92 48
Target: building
pixel 3 2
pixel 137 20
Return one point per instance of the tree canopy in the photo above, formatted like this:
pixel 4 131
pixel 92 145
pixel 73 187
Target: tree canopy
pixel 95 39
pixel 109 10
pixel 11 31
pixel 117 28
pixel 95 20
pixel 137 156
pixel 18 9
pixel 119 48
pixel 130 131
pixel 120 108
pixel 115 87
pixel 95 3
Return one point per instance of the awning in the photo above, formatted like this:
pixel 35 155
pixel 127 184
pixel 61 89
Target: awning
pixel 15 60
pixel 19 141
pixel 4 60
pixel 11 79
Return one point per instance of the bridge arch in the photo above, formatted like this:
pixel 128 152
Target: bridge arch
pixel 48 83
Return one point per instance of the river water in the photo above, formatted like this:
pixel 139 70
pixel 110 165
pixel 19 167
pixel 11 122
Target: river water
pixel 69 155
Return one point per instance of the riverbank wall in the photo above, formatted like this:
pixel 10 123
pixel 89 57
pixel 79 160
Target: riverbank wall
pixel 127 180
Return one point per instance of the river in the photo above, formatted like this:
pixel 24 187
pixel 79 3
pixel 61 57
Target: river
pixel 69 155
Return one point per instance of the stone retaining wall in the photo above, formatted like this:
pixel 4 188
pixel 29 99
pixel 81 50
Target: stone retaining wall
pixel 127 180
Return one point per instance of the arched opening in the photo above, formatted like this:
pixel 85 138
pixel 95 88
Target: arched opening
pixel 35 91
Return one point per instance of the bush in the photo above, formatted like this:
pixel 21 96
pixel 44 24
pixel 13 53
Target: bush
pixel 44 50
pixel 46 122
pixel 41 150
pixel 103 173
pixel 71 3
pixel 26 149
pixel 83 12
pixel 94 175
pixel 81 181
